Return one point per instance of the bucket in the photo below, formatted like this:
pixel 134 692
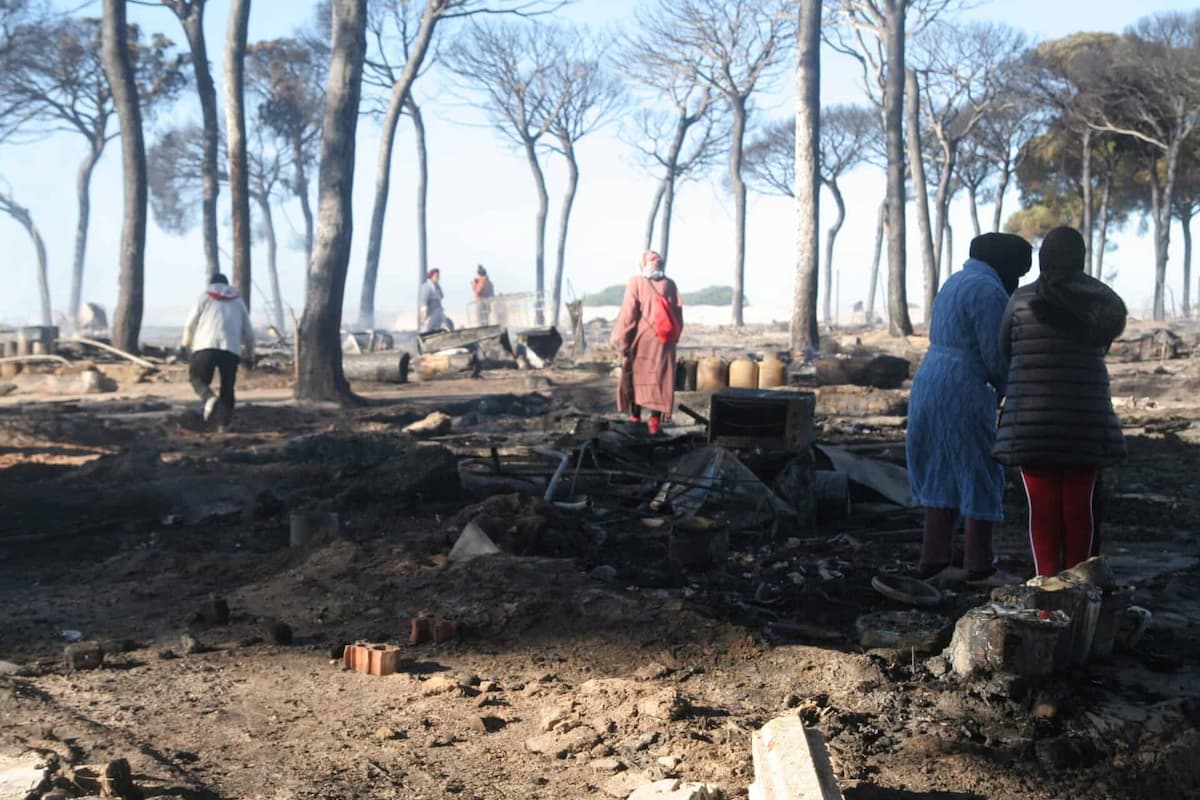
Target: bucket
pixel 313 527
pixel 743 374
pixel 712 375
pixel 771 373
pixel 690 369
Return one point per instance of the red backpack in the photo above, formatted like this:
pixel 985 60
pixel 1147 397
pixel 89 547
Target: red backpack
pixel 664 319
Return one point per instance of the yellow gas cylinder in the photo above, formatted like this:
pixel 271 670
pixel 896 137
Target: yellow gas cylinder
pixel 743 374
pixel 712 374
pixel 771 372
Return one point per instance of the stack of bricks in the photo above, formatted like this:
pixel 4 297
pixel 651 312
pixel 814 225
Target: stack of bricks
pixel 372 659
pixel 433 629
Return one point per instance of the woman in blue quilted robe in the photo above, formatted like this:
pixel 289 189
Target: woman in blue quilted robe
pixel 952 410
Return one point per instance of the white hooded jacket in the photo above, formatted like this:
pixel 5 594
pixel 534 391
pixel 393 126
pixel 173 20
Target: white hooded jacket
pixel 219 321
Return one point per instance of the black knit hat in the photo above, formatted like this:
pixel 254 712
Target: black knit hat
pixel 1062 251
pixel 1008 254
pixel 218 278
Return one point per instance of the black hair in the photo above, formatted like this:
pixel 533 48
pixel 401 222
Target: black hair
pixel 217 277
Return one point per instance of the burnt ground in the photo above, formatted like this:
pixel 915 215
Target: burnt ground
pixel 120 518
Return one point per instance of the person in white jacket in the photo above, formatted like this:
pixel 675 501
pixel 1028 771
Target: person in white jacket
pixel 217 332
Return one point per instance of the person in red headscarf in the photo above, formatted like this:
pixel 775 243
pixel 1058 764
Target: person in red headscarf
pixel 645 334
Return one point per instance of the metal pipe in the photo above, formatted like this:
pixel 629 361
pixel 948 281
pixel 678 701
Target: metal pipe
pixel 563 460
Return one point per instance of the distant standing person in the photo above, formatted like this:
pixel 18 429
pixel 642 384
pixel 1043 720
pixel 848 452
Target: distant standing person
pixel 481 286
pixel 217 332
pixel 952 410
pixel 647 329
pixel 1058 424
pixel 432 316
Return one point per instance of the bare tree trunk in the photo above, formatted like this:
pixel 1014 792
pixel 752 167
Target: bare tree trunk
pixel 235 120
pixel 83 186
pixel 739 213
pixel 670 181
pixel 805 333
pixel 1162 232
pixel 264 206
pixel 664 240
pixel 920 194
pixel 879 231
pixel 893 111
pixel 949 249
pixel 658 198
pixel 941 204
pixel 319 367
pixel 21 214
pixel 300 187
pixel 830 237
pixel 998 210
pixel 118 68
pixel 193 27
pixel 1102 237
pixel 422 195
pixel 1185 222
pixel 564 221
pixel 383 182
pixel 973 197
pixel 397 102
pixel 1085 180
pixel 539 180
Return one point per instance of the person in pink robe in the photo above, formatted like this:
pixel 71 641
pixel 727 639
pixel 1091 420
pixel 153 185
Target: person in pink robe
pixel 647 380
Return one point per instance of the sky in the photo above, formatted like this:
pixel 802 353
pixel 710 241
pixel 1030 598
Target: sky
pixel 482 200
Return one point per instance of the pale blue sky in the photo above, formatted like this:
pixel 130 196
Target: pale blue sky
pixel 481 200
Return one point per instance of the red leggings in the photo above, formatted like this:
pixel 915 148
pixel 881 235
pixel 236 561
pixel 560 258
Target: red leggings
pixel 1061 524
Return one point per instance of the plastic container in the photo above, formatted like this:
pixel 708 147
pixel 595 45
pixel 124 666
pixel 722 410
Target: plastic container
pixel 771 373
pixel 712 374
pixel 743 374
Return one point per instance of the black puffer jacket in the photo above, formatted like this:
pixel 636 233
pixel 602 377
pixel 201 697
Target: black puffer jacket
pixel 1059 409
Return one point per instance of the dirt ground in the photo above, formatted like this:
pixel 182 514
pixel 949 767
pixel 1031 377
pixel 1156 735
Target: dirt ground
pixel 585 668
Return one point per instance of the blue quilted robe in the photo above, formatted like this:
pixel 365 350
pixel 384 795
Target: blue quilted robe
pixel 955 393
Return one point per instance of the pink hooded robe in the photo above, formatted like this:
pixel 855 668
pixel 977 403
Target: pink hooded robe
pixel 648 375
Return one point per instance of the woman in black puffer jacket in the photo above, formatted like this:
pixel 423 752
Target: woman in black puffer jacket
pixel 1058 423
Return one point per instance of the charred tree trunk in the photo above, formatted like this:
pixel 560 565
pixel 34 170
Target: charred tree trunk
pixel 118 68
pixel 1102 235
pixel 539 264
pixel 1006 172
pixel 880 226
pixel 739 213
pixel 658 198
pixel 973 198
pixel 300 187
pixel 21 214
pixel 564 221
pixel 941 204
pixel 1085 181
pixel 893 111
pixel 319 362
pixel 920 194
pixel 830 238
pixel 191 16
pixel 422 194
pixel 1162 230
pixel 264 206
pixel 397 103
pixel 805 334
pixel 1185 222
pixel 235 119
pixel 83 190
pixel 668 211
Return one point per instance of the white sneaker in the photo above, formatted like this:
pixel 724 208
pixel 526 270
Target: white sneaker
pixel 209 406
